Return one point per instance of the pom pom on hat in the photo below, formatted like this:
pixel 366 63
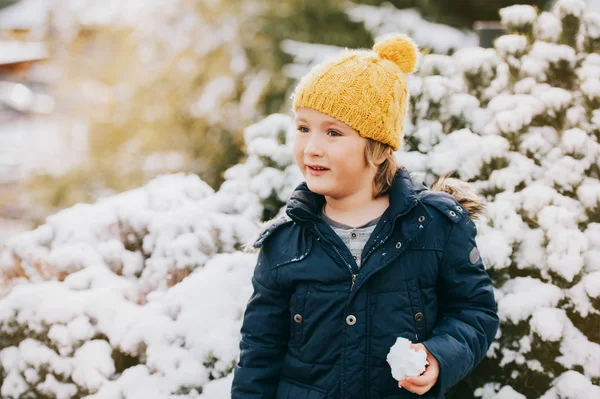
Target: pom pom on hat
pixel 399 49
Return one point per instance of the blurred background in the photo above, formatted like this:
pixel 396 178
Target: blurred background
pixel 97 97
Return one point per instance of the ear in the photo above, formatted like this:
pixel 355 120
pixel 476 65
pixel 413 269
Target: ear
pixel 383 156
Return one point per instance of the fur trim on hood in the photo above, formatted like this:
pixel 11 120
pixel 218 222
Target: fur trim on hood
pixel 464 192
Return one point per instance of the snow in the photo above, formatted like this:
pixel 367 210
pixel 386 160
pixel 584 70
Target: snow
pixel 592 25
pixel 575 8
pixel 589 192
pixel 176 332
pixel 430 133
pixel 593 5
pixel 31 14
pixel 512 113
pixel 522 296
pixel 548 323
pixel 566 172
pixel 52 387
pixel 591 283
pixel 136 274
pixel 543 55
pixel 591 88
pixel 590 67
pixel 466 152
pixel 380 21
pixel 387 19
pixel 25 14
pixel 31 146
pixel 437 64
pixel 405 361
pixel 506 392
pixel 93 365
pixel 215 94
pixel 13 51
pixel 477 60
pixel 510 45
pixel 572 385
pixel 306 56
pixel 518 15
pixel 553 53
pixel 548 27
pixel 555 99
pixel 521 170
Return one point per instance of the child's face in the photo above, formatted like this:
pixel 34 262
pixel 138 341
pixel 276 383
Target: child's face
pixel 323 141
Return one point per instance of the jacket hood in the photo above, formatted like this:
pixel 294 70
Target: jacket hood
pixel 465 193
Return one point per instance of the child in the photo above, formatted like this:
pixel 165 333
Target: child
pixel 364 255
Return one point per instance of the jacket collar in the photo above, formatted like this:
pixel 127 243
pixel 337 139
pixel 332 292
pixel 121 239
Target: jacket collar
pixel 304 205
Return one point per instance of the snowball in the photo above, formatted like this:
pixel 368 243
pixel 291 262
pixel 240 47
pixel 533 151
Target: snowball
pixel 405 361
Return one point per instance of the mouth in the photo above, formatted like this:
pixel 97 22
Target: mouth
pixel 315 167
pixel 316 170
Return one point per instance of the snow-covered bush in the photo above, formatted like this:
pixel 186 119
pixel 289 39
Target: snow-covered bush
pixel 380 20
pixel 141 295
pixel 258 187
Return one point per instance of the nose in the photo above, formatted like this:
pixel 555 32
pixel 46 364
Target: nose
pixel 313 148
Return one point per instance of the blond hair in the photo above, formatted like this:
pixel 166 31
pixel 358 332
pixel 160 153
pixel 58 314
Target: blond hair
pixel 386 171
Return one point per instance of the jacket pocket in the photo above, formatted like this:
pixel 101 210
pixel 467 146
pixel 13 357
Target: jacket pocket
pixel 289 389
pixel 297 314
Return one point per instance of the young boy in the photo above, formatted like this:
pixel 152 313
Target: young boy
pixel 364 255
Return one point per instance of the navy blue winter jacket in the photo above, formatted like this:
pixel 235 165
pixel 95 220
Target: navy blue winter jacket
pixel 318 327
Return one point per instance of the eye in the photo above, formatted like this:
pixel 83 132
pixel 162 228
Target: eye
pixel 299 128
pixel 335 133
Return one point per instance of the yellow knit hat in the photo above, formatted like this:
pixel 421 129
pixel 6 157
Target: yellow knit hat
pixel 367 90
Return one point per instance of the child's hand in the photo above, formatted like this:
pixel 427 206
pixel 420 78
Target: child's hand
pixel 425 381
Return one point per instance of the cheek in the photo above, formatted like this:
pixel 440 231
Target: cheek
pixel 351 159
pixel 298 149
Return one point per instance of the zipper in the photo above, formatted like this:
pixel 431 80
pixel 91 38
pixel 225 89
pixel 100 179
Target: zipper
pixel 390 233
pixel 354 275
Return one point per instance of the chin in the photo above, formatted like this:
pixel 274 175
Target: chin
pixel 317 188
pixel 322 189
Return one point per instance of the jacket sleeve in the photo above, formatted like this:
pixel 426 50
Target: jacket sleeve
pixel 264 336
pixel 467 320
